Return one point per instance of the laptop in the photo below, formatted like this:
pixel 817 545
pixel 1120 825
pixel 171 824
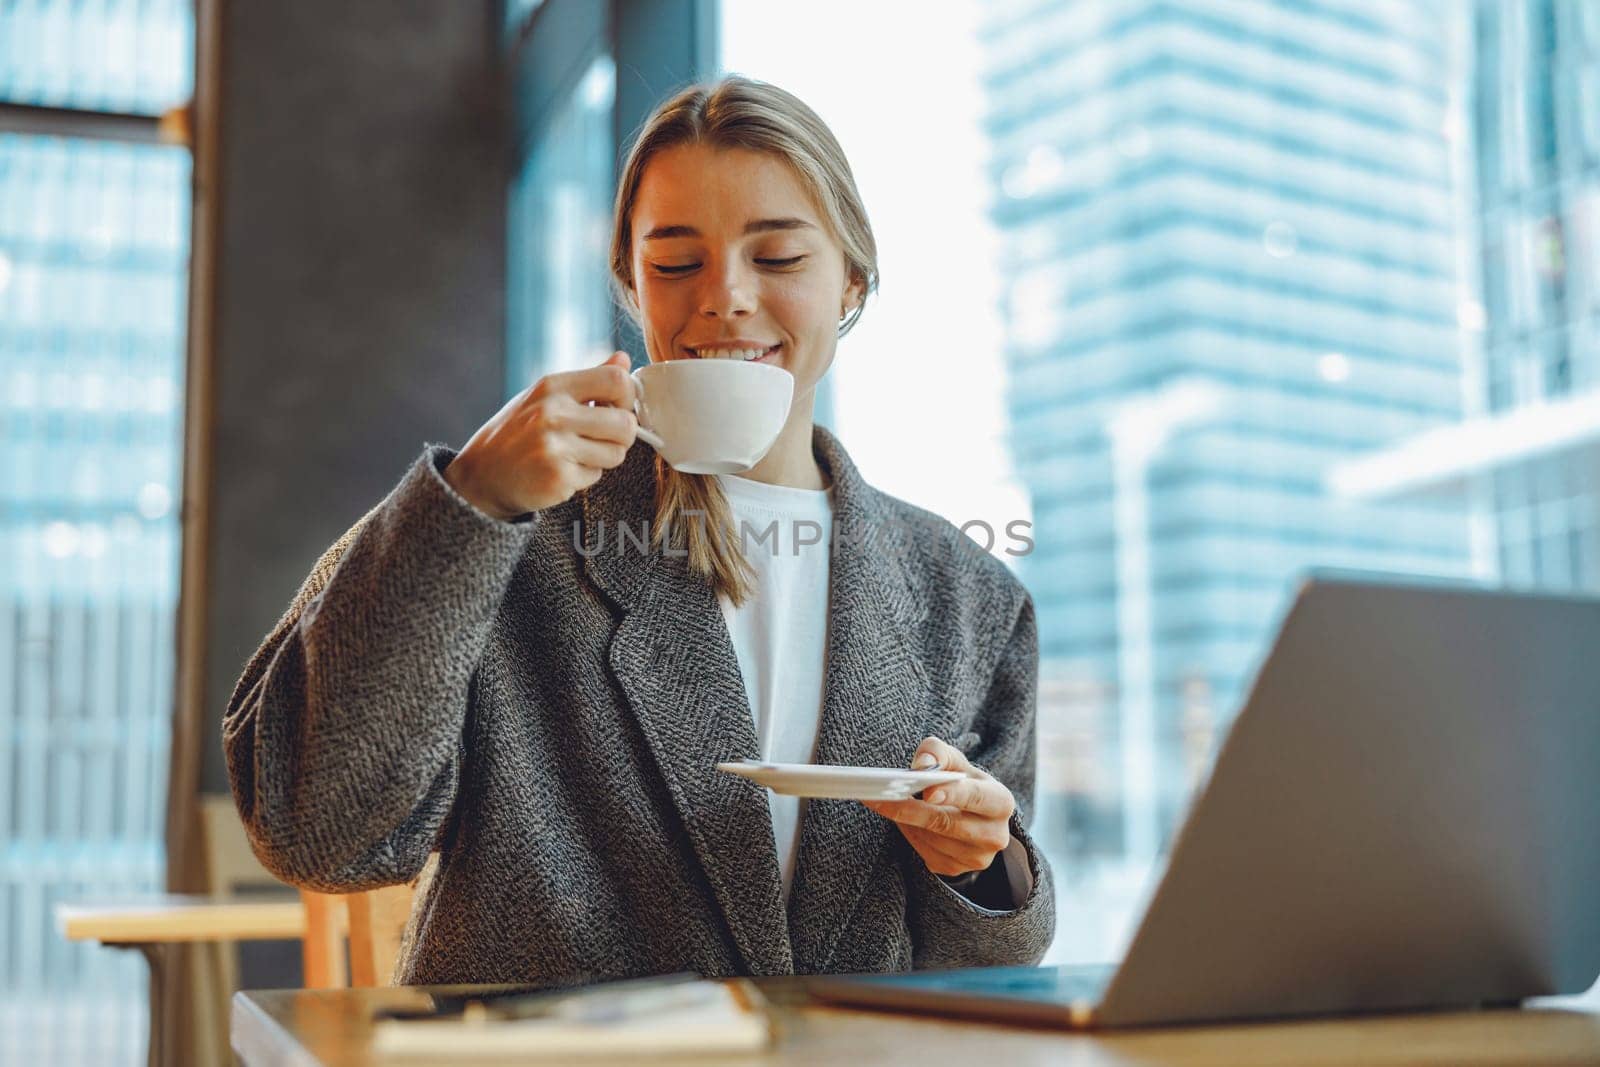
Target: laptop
pixel 1404 815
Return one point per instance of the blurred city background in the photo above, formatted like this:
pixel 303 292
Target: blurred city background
pixel 1213 293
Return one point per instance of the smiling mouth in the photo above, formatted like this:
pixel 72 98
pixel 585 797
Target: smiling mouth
pixel 746 355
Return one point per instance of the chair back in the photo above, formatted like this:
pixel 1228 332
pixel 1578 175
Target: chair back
pixel 322 963
pixel 377 925
pixel 376 921
pixel 231 866
pixel 230 863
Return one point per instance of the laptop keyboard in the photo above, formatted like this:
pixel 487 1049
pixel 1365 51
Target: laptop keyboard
pixel 1063 985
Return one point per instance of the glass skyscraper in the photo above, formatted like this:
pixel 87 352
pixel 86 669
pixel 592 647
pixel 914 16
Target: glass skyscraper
pixel 1536 120
pixel 93 267
pixel 1230 262
pixel 1524 461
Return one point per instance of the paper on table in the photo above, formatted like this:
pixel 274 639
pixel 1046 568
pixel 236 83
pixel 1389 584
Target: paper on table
pixel 725 1017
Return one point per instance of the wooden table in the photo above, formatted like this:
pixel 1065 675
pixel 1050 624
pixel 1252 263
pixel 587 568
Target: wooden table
pixel 172 918
pixel 333 1028
pixel 151 924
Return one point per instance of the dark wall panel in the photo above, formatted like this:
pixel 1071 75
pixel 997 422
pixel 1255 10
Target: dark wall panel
pixel 361 289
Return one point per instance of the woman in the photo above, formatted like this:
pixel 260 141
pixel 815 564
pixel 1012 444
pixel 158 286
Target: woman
pixel 477 669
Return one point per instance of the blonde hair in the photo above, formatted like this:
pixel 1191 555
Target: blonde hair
pixel 737 112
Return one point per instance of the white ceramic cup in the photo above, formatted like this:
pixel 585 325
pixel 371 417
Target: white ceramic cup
pixel 712 416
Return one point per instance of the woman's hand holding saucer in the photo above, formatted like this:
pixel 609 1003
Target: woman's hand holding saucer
pixel 955 828
pixel 552 439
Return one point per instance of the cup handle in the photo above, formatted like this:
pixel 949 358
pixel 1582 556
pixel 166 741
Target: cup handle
pixel 647 435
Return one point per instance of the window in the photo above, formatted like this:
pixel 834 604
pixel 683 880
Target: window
pixel 560 312
pixel 93 266
pixel 1155 306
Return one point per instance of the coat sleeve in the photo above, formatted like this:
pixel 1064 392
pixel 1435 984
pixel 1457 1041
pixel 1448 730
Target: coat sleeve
pixel 948 928
pixel 344 736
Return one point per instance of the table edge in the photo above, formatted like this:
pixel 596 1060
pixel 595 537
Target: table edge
pixel 248 921
pixel 273 1045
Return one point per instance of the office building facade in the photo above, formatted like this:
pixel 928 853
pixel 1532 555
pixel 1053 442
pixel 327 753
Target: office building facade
pixel 1535 112
pixel 1230 256
pixel 1522 461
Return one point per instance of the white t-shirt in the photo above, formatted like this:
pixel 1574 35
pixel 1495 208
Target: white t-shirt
pixel 780 634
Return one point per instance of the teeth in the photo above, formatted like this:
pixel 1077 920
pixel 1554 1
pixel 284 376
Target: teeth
pixel 731 353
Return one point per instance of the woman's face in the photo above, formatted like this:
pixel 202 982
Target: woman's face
pixel 731 259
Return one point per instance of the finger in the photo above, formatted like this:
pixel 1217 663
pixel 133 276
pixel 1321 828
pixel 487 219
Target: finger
pixel 983 797
pixel 940 857
pixel 960 857
pixel 609 383
pixel 600 454
pixel 947 822
pixel 941 820
pixel 603 423
pixel 581 475
pixel 936 754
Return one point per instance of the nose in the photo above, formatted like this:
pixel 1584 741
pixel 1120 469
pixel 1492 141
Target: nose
pixel 727 292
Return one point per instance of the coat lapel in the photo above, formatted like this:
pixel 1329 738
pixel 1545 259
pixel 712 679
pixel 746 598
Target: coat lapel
pixel 675 662
pixel 673 658
pixel 876 707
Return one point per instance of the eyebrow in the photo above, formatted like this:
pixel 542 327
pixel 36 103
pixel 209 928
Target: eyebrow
pixel 661 233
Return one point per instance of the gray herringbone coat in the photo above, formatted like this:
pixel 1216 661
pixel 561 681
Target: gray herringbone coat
pixel 548 720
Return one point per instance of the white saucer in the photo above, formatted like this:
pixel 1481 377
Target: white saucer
pixel 839 783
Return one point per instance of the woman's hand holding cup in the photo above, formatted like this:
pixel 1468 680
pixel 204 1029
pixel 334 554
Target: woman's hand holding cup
pixel 550 440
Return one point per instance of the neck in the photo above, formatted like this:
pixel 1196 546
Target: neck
pixel 790 460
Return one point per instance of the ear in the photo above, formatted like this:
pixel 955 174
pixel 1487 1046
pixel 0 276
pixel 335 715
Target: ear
pixel 852 295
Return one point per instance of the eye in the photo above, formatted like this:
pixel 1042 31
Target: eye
pixel 684 268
